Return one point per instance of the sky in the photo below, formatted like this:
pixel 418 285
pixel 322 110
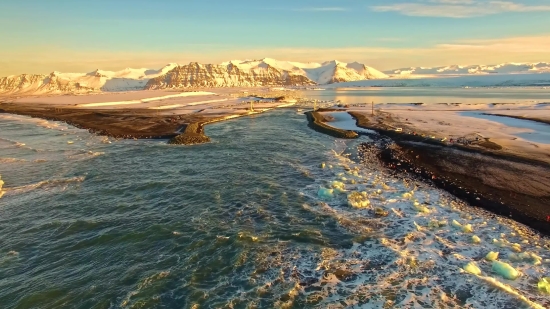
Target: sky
pixel 38 36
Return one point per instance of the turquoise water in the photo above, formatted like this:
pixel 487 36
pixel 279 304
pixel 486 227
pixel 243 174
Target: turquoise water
pixel 537 132
pixel 236 223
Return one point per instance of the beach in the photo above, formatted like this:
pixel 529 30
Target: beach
pixel 463 150
pixel 145 114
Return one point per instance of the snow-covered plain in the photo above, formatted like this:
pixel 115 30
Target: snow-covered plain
pixel 454 121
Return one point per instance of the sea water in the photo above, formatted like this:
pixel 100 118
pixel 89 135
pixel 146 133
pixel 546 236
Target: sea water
pixel 90 222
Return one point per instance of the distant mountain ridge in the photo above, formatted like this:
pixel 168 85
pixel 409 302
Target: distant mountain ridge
pixel 244 73
pixel 98 80
pixel 264 72
pixel 503 68
pixel 234 73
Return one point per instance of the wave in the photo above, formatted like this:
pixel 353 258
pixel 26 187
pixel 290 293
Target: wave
pixel 12 160
pixel 36 121
pixel 412 245
pixel 86 155
pixel 49 184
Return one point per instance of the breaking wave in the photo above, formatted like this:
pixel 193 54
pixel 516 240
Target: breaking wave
pixel 50 184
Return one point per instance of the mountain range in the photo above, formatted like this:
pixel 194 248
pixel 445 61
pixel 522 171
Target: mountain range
pixel 504 68
pixel 237 73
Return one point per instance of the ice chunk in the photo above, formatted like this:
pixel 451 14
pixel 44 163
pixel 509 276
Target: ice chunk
pixel 358 200
pixel 379 212
pixel 1 184
pixel 456 224
pixel 544 285
pixel 525 256
pixel 467 228
pixel 505 270
pixel 420 208
pixel 325 193
pixel 516 247
pixel 491 256
pixel 472 268
pixel 339 186
pixel 476 240
pixel 407 195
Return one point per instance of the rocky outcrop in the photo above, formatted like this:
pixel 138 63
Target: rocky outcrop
pixel 193 134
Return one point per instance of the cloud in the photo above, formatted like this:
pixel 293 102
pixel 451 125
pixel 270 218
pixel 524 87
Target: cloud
pixel 44 59
pixel 322 9
pixel 459 9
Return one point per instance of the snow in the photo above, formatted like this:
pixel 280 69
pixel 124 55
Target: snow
pixel 320 73
pixel 98 80
pixel 450 121
pixel 507 68
pixel 186 104
pixel 183 94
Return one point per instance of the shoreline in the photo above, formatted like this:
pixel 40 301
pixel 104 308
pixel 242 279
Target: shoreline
pixel 497 177
pixel 134 123
pixel 505 184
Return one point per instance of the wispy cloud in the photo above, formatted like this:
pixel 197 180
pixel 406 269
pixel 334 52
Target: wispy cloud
pixel 459 8
pixel 322 9
pixel 44 59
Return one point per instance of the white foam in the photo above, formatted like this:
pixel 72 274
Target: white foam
pixel 60 183
pixel 407 259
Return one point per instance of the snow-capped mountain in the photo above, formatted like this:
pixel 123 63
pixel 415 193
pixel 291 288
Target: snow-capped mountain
pixel 235 73
pixel 264 72
pixel 504 68
pixel 98 80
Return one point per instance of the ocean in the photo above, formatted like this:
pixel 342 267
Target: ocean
pixel 245 221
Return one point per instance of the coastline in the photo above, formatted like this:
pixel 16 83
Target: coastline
pixel 505 184
pixel 483 174
pixel 157 117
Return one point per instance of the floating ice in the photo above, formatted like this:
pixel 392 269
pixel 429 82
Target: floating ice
pixel 358 199
pixel 1 184
pixel 338 186
pixel 491 256
pixel 467 228
pixel 421 208
pixel 456 224
pixel 472 268
pixel 526 256
pixel 434 224
pixel 544 285
pixel 505 270
pixel 325 193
